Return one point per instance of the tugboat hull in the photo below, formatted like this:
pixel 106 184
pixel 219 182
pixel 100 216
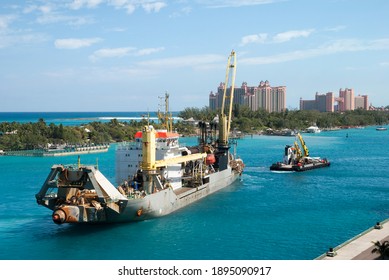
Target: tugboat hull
pixel 298 168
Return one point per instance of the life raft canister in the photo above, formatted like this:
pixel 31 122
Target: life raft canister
pixel 210 159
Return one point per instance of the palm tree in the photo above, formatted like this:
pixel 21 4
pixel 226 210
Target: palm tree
pixel 382 249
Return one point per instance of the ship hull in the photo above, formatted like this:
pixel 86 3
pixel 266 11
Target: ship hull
pixel 84 195
pixel 167 201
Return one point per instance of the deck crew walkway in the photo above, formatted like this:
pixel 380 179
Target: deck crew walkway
pixel 359 247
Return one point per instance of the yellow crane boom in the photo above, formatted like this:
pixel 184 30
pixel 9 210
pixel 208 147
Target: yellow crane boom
pixel 230 77
pixel 305 148
pixel 168 161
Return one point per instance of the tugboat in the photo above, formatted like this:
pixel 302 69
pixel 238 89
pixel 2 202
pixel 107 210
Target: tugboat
pixel 157 175
pixel 296 160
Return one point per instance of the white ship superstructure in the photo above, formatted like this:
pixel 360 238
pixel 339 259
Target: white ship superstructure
pixel 129 157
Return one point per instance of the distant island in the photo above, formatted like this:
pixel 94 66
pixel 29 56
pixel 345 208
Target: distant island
pixel 39 135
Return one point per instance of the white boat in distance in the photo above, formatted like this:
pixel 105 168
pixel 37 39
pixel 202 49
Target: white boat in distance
pixel 313 129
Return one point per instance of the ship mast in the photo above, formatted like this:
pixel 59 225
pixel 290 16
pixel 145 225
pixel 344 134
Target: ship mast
pixel 166 117
pixel 225 117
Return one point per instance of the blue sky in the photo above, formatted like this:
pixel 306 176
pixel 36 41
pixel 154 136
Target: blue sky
pixel 121 55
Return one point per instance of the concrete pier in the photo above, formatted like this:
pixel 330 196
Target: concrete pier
pixel 58 152
pixel 359 247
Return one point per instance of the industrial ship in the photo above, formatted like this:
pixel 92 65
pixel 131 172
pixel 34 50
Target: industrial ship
pixel 155 174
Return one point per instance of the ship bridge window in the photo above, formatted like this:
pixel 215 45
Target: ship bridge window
pixel 172 142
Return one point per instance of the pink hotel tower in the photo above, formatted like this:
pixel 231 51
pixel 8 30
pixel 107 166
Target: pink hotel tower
pixel 327 102
pixel 263 96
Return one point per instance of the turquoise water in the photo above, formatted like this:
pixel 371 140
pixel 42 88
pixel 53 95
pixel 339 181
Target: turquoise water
pixel 292 216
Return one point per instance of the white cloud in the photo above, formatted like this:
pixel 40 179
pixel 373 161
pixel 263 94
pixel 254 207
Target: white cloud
pixel 130 8
pixel 10 37
pixel 120 52
pixel 93 3
pixel 149 51
pixel 5 20
pixel 109 53
pixel 336 28
pixel 45 9
pixel 116 29
pixel 73 43
pixel 278 38
pixel 78 21
pixel 17 39
pixel 338 46
pixel 29 9
pixel 289 35
pixel 234 3
pixel 56 17
pixel 118 3
pixel 54 12
pixel 256 38
pixel 153 7
pixel 78 4
pixel 130 5
pixel 182 12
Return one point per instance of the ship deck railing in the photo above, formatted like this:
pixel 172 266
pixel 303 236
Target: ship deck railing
pixel 136 145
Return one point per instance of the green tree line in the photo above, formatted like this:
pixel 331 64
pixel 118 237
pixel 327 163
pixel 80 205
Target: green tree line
pixel 246 120
pixel 28 136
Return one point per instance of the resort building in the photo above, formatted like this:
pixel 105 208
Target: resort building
pixel 346 100
pixel 362 102
pixel 263 96
pixel 321 103
pixel 329 103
